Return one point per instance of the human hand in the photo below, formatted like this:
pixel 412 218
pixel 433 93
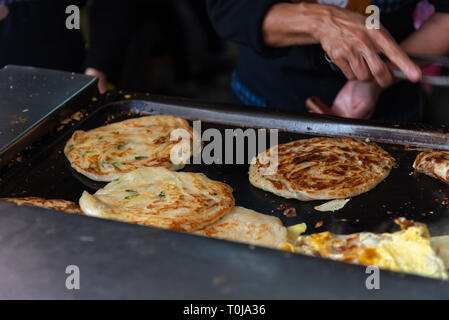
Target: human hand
pixel 357 99
pixel 102 78
pixel 355 49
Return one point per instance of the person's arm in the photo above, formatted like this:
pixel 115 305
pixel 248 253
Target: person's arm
pixel 342 34
pixel 431 38
pixel 241 20
pixel 102 78
pixel 358 99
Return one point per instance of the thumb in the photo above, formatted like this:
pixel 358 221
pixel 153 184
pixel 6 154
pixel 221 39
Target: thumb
pixel 316 105
pixel 102 78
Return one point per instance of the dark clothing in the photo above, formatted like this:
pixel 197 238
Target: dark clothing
pixel 34 34
pixel 286 77
pixel 111 23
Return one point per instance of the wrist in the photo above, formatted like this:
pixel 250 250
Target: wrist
pixel 293 24
pixel 317 18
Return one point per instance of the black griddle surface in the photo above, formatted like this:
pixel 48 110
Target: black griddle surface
pixel 45 172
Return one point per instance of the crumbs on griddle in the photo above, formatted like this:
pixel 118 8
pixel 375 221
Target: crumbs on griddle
pixel 319 224
pixel 19 120
pixel 290 212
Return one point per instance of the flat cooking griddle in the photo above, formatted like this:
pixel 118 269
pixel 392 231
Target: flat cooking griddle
pixel 43 170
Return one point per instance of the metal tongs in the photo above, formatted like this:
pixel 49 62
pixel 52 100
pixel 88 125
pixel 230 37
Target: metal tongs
pixel 424 61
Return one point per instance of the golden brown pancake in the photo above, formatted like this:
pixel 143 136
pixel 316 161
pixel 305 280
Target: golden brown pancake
pixel 323 169
pixel 248 226
pixel 54 204
pixel 434 164
pixel 106 153
pixel 159 197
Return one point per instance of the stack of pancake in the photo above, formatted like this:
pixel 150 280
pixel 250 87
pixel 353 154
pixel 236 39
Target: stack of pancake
pixel 134 155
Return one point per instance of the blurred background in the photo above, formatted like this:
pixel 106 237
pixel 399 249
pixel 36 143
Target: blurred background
pixel 160 46
pixel 175 51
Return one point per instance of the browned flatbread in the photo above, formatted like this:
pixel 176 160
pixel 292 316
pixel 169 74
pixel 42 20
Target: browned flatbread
pixel 323 169
pixel 434 164
pixel 248 226
pixel 159 197
pixel 54 204
pixel 106 153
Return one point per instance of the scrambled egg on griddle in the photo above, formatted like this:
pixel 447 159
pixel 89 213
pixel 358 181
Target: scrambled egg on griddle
pixel 408 250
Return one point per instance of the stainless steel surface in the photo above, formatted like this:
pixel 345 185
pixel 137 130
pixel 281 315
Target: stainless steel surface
pixel 119 260
pixel 124 261
pixel 29 97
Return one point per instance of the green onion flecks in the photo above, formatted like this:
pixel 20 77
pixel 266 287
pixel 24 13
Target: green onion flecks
pixel 121 146
pixel 133 194
pixel 117 164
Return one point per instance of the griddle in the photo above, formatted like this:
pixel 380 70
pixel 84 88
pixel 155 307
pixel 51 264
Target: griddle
pixel 402 194
pixel 120 260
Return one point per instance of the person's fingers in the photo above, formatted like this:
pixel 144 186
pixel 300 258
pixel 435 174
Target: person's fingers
pixel 343 65
pixel 380 71
pixel 359 67
pixel 316 105
pixel 394 52
pixel 102 85
pixel 102 79
pixel 340 106
pixel 346 107
pixel 378 68
pixel 339 111
pixel 354 112
pixel 363 111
